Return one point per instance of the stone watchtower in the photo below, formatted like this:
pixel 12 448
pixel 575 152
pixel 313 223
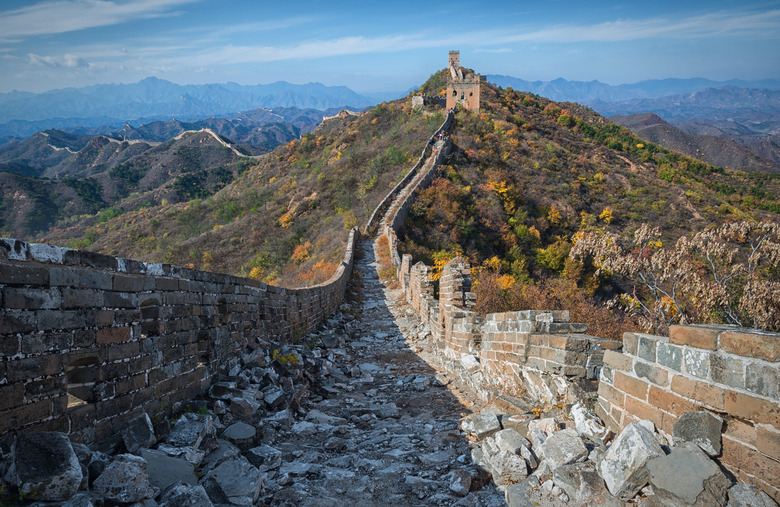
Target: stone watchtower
pixel 461 90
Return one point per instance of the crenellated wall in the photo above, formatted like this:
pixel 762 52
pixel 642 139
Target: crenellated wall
pixel 730 371
pixel 89 341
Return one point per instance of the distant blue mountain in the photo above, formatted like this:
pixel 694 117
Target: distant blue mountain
pixel 23 113
pixel 587 92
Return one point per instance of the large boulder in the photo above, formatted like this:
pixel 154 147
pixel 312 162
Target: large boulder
pixel 623 466
pixel 235 481
pixel 563 447
pixel 508 468
pixel 482 425
pixel 125 480
pixel 138 433
pixel 190 430
pixel 45 464
pixel 185 495
pixel 164 470
pixel 687 476
pixel 588 424
pixel 700 428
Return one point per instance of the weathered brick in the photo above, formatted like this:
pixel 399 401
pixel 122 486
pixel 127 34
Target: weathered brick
pixel 49 320
pixel 127 350
pixel 728 370
pixel 670 402
pixel 629 385
pixel 13 274
pixel 618 360
pixel 768 441
pixel 31 298
pixel 84 278
pixel 652 373
pixel 10 344
pixel 30 368
pixel 615 397
pixel 81 298
pixel 104 318
pixel 763 379
pixel 17 321
pixel 45 388
pixel 752 408
pixel 121 299
pixel 11 395
pixel 630 343
pixel 82 416
pixel 168 284
pixel 759 345
pixel 702 392
pixel 642 410
pixel 45 342
pixel 113 335
pixel 129 283
pixel 738 429
pixel 670 356
pixel 26 414
pixel 703 337
pixel 750 460
pixel 697 362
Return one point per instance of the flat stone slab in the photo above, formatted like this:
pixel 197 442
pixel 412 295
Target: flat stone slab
pixel 165 471
pixel 689 476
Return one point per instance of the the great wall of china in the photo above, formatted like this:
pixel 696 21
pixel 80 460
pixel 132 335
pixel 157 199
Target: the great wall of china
pixel 119 337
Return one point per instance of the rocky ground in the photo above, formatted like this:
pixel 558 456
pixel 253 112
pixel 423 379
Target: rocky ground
pixel 364 412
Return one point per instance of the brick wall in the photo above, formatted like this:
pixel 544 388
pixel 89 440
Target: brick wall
pixel 733 372
pixel 88 341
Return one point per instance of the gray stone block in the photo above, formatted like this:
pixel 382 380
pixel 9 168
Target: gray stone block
pixel 728 370
pixel 697 362
pixel 670 356
pixel 623 467
pixel 763 379
pixel 699 428
pixel 687 476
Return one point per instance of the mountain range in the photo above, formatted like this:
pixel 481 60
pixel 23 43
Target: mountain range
pixel 24 113
pixel 588 92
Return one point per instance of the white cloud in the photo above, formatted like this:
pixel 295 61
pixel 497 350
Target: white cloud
pixel 723 23
pixel 66 60
pixel 60 16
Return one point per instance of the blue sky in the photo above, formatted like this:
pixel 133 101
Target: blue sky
pixel 382 45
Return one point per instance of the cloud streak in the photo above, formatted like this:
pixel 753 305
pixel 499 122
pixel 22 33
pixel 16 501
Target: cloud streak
pixel 60 16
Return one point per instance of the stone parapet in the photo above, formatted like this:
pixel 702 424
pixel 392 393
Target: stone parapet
pixel 731 371
pixel 89 341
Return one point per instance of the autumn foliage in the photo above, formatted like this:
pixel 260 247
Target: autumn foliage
pixel 728 274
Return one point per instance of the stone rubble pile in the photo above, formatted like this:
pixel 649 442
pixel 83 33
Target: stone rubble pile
pixel 356 415
pixel 349 416
pixel 564 461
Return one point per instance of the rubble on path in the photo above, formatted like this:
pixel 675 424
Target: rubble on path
pixel 366 412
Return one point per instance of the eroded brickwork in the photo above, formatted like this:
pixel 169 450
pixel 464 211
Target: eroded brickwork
pixel 730 371
pixel 89 341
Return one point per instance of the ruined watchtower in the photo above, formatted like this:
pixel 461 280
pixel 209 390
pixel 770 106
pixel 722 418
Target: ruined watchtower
pixel 461 90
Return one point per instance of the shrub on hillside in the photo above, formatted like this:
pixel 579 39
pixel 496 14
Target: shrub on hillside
pixel 729 274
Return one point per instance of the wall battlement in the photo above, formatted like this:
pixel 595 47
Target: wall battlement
pixel 90 341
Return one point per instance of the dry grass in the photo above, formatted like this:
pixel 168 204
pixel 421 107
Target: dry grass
pixel 387 273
